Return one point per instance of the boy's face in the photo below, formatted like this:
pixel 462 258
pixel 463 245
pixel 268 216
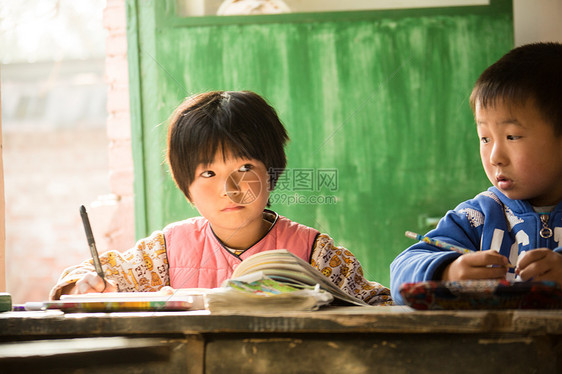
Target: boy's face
pixel 521 154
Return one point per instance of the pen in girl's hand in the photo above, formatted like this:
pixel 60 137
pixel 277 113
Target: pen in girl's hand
pixel 91 242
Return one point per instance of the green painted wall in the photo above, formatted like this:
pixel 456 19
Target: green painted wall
pixel 377 101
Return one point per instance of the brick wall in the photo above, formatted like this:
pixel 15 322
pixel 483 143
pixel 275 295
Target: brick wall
pixel 115 212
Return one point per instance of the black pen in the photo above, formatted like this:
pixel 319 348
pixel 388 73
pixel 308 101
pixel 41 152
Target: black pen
pixel 91 242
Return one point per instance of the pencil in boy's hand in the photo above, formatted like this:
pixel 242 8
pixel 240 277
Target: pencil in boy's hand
pixel 437 243
pixel 441 244
pixel 91 242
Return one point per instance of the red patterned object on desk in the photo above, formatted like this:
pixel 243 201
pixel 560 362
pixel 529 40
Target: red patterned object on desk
pixel 481 294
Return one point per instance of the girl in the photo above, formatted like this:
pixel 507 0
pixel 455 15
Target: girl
pixel 225 152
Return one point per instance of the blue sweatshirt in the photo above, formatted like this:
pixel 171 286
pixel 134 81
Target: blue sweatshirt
pixel 489 221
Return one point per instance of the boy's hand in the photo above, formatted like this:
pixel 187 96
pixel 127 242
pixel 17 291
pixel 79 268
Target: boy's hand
pixel 540 264
pixel 91 282
pixel 477 265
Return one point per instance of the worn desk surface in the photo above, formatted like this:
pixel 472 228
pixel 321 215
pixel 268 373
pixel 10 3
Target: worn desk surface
pixel 351 339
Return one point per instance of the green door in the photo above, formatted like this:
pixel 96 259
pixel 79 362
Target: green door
pixel 376 105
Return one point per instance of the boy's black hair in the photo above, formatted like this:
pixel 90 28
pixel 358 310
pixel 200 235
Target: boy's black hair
pixel 530 72
pixel 239 123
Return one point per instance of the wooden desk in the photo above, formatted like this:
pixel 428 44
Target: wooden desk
pixel 344 340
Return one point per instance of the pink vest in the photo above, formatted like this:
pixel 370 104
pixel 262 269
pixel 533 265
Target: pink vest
pixel 197 259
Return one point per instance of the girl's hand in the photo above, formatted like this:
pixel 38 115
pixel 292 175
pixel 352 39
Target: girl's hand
pixel 477 265
pixel 167 290
pixel 91 282
pixel 540 264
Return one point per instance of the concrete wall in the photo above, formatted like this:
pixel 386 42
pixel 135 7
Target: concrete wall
pixel 66 143
pixel 537 20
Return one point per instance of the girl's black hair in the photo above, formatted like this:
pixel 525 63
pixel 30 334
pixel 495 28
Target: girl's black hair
pixel 237 123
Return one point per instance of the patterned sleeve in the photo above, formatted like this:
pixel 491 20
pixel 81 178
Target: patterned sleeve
pixel 345 271
pixel 142 268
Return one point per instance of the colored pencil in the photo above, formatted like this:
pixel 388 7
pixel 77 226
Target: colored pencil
pixel 440 244
pixel 437 243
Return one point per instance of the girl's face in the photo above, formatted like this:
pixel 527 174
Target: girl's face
pixel 232 194
pixel 521 154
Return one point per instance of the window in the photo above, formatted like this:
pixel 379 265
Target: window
pixel 195 8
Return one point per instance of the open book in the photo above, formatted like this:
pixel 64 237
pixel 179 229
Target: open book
pixel 283 266
pixel 256 292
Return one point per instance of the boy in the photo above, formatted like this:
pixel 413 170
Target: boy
pixel 517 105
